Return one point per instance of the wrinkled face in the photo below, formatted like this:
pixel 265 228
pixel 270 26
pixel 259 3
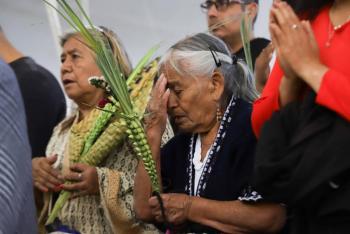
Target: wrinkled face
pixel 231 14
pixel 190 102
pixel 77 65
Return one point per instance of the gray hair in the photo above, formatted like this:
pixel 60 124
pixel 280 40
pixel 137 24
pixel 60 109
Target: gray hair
pixel 112 41
pixel 198 55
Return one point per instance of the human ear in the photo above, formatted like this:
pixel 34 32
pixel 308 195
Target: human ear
pixel 217 84
pixel 252 10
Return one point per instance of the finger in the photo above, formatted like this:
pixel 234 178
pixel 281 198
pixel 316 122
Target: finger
pixel 80 186
pixel 309 30
pixel 289 13
pixel 78 167
pixel 49 176
pixel 52 159
pixel 165 98
pixel 285 17
pixel 277 16
pixel 74 176
pixel 276 35
pixel 44 164
pixel 44 183
pixel 153 201
pixel 159 218
pixel 159 81
pixel 162 87
pixel 41 187
pixel 166 200
pixel 156 211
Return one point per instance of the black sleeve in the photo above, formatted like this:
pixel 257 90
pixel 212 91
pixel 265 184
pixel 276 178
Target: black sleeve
pixel 173 163
pixel 45 107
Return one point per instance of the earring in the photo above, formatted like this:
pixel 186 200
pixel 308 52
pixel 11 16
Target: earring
pixel 218 114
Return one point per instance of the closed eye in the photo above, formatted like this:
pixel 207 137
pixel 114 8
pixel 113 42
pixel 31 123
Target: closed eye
pixel 178 91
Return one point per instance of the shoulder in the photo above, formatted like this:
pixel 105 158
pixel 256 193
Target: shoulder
pixel 30 72
pixel 241 127
pixel 243 111
pixel 177 141
pixel 9 90
pixel 6 73
pixel 259 43
pixel 176 149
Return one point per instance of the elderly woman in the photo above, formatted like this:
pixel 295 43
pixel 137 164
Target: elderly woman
pixel 205 169
pixel 103 195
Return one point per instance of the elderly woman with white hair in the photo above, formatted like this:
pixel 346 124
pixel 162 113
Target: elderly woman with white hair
pixel 205 169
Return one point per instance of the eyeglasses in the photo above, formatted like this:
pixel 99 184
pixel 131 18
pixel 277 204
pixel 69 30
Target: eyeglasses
pixel 219 4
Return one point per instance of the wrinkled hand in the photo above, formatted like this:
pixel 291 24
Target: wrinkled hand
pixel 294 41
pixel 45 177
pixel 83 178
pixel 176 208
pixel 156 115
pixel 262 68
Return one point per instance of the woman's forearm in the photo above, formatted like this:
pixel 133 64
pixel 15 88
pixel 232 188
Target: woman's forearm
pixel 237 217
pixel 142 187
pixel 289 90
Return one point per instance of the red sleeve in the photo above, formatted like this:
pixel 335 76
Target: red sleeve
pixel 268 102
pixel 334 93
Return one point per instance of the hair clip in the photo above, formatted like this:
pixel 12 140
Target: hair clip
pixel 214 54
pixel 234 59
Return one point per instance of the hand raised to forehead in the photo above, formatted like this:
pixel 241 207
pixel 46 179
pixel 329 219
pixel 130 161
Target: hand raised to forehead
pixel 156 114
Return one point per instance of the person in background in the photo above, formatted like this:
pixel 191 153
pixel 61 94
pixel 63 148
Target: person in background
pixel 224 20
pixel 16 188
pixel 43 98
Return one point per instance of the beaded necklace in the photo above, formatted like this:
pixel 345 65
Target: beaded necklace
pixel 333 29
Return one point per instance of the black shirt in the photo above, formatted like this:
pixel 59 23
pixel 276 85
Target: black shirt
pixel 256 46
pixel 44 102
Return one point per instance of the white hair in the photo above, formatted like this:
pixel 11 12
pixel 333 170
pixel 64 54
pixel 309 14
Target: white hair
pixel 200 55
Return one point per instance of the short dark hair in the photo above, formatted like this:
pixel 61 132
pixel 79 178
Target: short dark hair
pixel 310 8
pixel 0 28
pixel 250 1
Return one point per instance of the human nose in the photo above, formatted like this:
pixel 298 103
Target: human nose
pixel 172 101
pixel 66 66
pixel 212 10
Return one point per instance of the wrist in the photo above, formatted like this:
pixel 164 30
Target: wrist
pixel 313 75
pixel 289 90
pixel 187 207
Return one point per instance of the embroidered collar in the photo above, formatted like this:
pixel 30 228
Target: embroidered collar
pixel 215 149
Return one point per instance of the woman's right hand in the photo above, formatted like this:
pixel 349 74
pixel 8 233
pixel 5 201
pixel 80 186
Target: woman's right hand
pixel 156 116
pixel 45 177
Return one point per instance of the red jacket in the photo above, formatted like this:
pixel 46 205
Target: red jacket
pixel 334 92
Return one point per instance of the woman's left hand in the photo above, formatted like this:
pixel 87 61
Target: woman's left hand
pixel 83 178
pixel 176 208
pixel 295 43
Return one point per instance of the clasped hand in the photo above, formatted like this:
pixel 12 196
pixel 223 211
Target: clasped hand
pixel 83 180
pixel 176 208
pixel 294 41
